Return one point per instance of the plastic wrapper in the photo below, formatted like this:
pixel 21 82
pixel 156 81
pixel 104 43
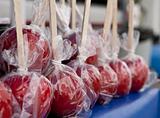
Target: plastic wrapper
pixel 123 75
pixel 91 78
pixel 74 36
pixel 63 49
pixel 63 20
pixel 79 22
pixel 88 73
pixel 93 37
pixel 151 82
pixel 136 64
pixel 37 49
pixel 69 96
pixel 40 13
pixel 109 81
pixel 120 68
pixel 73 39
pixel 9 108
pixel 33 93
pixel 93 46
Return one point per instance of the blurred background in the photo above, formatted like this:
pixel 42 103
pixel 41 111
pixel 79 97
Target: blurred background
pixel 146 18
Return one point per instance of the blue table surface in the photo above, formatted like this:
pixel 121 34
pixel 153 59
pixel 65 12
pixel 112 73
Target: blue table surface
pixel 144 104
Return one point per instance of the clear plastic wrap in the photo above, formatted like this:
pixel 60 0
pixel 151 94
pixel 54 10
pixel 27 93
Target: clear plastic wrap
pixel 123 75
pixel 40 12
pixel 88 73
pixel 63 20
pixel 73 39
pixel 120 68
pixel 74 36
pixel 63 49
pixel 37 49
pixel 136 64
pixel 69 96
pixel 151 82
pixel 9 108
pixel 109 81
pixel 91 78
pixel 80 21
pixel 92 41
pixel 33 93
pixel 93 46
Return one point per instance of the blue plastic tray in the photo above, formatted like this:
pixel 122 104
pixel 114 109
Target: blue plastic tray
pixel 136 105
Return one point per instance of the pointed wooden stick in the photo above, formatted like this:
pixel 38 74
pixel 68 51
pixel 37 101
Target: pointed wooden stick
pixel 20 40
pixel 130 25
pixel 115 24
pixel 85 22
pixel 73 5
pixel 108 19
pixel 53 20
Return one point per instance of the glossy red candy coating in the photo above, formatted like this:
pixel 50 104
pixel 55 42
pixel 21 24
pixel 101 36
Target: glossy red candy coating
pixel 68 96
pixel 38 48
pixel 139 71
pixel 92 82
pixel 109 84
pixel 22 86
pixel 123 75
pixel 92 59
pixel 91 78
pixel 6 110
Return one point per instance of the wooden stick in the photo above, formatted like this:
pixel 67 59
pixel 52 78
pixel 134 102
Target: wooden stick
pixel 80 19
pixel 130 25
pixel 114 25
pixel 108 19
pixel 20 40
pixel 53 20
pixel 63 3
pixel 85 21
pixel 73 5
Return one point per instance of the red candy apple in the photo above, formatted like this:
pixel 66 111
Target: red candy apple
pixel 109 84
pixel 37 49
pixel 139 71
pixel 32 91
pixel 91 78
pixel 123 75
pixel 69 97
pixel 6 109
